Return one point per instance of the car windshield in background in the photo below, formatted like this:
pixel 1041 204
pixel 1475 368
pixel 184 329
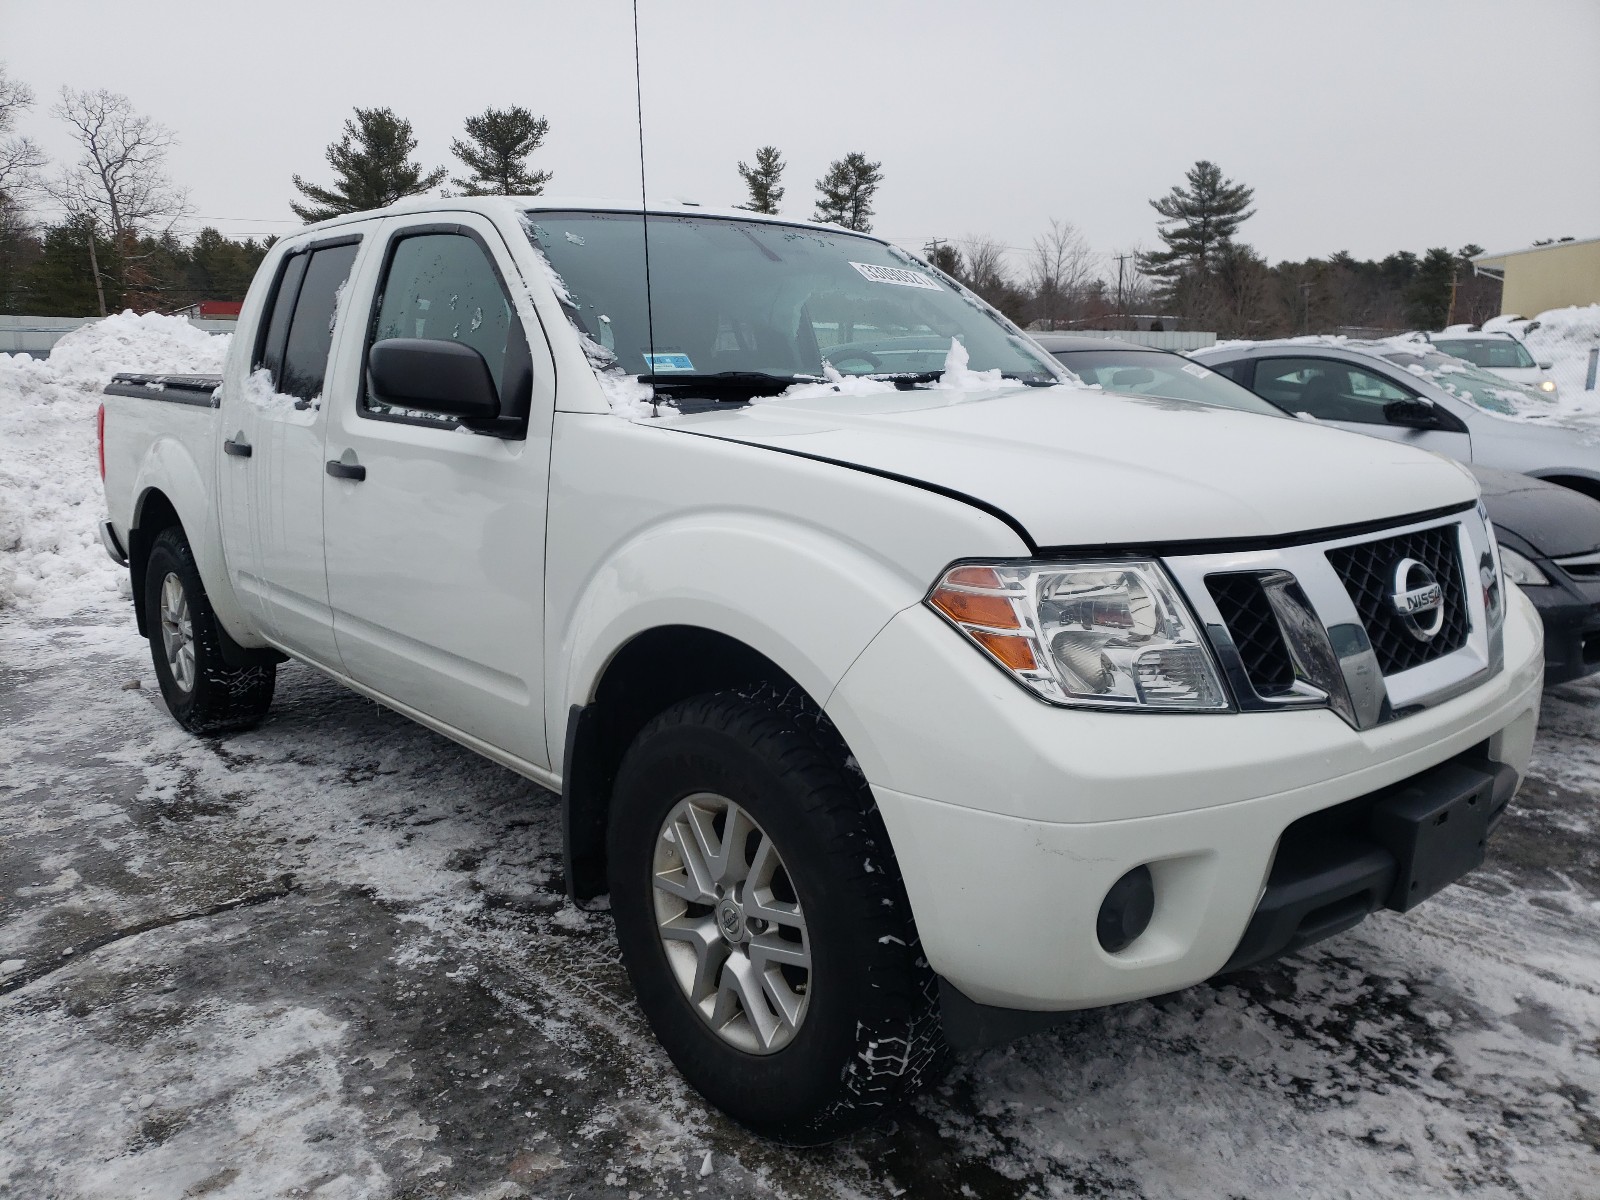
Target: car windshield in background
pixel 1472 384
pixel 741 301
pixel 1153 373
pixel 1494 353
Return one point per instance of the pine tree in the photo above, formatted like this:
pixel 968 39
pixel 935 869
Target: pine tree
pixel 844 194
pixel 763 180
pixel 496 152
pixel 372 168
pixel 1197 224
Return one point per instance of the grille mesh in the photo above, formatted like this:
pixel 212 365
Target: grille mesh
pixel 1367 571
pixel 1254 630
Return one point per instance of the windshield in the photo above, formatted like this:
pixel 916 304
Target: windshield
pixel 1155 373
pixel 1487 352
pixel 764 299
pixel 1467 382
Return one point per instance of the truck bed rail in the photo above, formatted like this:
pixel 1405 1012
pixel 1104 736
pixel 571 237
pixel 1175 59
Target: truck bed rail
pixel 199 390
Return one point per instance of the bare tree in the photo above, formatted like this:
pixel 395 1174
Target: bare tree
pixel 120 185
pixel 1060 270
pixel 986 271
pixel 20 159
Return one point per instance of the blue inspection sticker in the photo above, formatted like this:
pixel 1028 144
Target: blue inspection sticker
pixel 660 364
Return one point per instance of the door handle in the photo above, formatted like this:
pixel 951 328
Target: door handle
pixel 237 449
pixel 343 470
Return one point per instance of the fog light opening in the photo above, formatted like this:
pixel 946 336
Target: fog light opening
pixel 1126 911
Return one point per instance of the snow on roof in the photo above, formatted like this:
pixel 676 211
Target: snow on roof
pixel 1489 258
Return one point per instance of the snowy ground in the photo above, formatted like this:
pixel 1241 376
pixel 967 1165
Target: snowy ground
pixel 331 957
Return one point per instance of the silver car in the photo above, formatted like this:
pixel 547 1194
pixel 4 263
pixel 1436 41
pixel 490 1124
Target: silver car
pixel 1409 392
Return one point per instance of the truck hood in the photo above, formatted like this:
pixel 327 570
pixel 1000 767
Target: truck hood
pixel 1080 467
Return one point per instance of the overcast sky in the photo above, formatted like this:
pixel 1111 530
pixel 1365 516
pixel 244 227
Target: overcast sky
pixel 1363 126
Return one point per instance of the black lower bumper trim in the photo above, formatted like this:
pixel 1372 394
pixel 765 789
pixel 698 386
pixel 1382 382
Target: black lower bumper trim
pixel 1392 849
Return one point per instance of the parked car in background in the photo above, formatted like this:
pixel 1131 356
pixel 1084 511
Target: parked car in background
pixel 1144 371
pixel 1410 392
pixel 1500 353
pixel 1550 547
pixel 1549 535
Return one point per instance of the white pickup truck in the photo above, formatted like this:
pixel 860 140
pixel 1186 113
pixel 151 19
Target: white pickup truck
pixel 900 691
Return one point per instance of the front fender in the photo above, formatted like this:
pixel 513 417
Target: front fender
pixel 802 598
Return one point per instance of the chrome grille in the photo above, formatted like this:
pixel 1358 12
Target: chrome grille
pixel 1255 632
pixel 1367 571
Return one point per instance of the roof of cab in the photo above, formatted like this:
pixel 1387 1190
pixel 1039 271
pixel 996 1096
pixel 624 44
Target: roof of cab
pixel 502 206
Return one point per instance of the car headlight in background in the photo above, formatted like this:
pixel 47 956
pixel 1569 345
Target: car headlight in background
pixel 1547 385
pixel 1520 570
pixel 1101 634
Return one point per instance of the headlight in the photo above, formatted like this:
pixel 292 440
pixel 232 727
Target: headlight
pixel 1108 634
pixel 1520 570
pixel 1547 385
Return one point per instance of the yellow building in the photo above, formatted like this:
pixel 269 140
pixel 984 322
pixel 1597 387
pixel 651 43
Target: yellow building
pixel 1538 278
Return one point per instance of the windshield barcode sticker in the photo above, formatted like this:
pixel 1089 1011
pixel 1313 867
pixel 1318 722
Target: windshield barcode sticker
pixel 896 275
pixel 1194 369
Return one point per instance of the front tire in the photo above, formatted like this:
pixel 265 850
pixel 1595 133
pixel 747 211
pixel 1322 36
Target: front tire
pixel 203 693
pixel 763 922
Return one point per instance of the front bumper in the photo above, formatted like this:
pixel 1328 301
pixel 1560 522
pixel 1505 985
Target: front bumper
pixel 1012 819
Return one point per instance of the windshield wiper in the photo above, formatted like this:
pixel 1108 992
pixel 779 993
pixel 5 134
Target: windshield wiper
pixel 905 380
pixel 726 383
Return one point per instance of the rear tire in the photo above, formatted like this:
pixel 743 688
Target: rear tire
pixel 862 1031
pixel 203 693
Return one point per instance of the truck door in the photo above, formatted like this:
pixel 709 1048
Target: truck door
pixel 435 535
pixel 282 414
pixel 1352 397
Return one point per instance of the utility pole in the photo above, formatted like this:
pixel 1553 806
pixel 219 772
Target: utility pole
pixel 1450 317
pixel 1305 292
pixel 1121 259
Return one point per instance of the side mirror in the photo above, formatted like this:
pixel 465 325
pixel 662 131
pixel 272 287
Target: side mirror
pixel 1544 366
pixel 432 376
pixel 1129 377
pixel 1413 414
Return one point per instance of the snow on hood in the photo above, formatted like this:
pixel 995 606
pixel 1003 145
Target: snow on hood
pixel 1077 467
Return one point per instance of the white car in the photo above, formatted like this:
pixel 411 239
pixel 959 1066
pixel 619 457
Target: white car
pixel 1501 354
pixel 894 708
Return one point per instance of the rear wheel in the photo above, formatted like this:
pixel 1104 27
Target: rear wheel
pixel 762 919
pixel 202 691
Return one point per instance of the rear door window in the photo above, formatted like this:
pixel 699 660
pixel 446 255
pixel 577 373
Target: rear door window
pixel 305 355
pixel 304 310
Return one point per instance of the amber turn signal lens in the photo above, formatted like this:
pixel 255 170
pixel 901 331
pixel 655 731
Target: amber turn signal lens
pixel 972 608
pixel 1013 652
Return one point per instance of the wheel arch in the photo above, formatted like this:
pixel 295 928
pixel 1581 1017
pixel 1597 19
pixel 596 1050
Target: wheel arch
pixel 1584 484
pixel 654 670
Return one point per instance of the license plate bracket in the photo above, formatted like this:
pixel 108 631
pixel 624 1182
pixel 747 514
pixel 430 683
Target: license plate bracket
pixel 1437 827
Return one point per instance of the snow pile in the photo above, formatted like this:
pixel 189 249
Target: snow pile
pixel 1563 338
pixel 51 503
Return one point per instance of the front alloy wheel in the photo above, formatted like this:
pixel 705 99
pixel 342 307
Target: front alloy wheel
pixel 762 919
pixel 730 923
